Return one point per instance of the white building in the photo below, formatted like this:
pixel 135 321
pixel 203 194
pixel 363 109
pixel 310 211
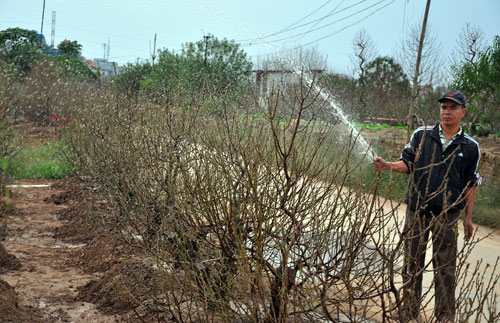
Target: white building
pixel 107 68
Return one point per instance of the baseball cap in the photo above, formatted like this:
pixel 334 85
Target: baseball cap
pixel 454 95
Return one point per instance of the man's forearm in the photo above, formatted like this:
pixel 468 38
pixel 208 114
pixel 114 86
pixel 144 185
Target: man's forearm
pixel 380 164
pixel 470 196
pixel 398 167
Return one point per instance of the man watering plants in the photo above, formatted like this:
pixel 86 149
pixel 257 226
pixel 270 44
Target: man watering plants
pixel 443 162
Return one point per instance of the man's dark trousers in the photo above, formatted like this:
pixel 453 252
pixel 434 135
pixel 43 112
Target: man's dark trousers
pixel 444 249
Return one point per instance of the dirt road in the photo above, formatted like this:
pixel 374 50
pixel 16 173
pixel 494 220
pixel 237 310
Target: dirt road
pixel 46 283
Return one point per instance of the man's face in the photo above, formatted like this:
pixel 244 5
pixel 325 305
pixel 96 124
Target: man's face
pixel 451 113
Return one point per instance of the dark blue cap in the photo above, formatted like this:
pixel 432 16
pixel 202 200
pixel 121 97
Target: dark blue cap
pixel 454 95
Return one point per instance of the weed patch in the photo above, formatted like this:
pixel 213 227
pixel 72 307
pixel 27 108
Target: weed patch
pixel 44 161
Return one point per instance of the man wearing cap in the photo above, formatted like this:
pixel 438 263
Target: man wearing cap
pixel 443 162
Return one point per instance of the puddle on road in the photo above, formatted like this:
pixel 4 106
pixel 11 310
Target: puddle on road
pixel 62 245
pixel 28 185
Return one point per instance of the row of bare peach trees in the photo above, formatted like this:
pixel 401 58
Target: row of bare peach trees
pixel 251 210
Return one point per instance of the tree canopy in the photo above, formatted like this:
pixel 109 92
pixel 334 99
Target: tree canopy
pixel 70 48
pixel 480 82
pixel 209 66
pixel 23 49
pixel 389 85
pixel 17 34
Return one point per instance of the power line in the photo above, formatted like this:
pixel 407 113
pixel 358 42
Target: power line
pixel 302 25
pixel 290 26
pixel 321 27
pixel 331 12
pixel 327 36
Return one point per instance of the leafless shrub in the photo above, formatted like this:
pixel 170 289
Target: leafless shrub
pixel 250 219
pixel 8 134
pixel 45 95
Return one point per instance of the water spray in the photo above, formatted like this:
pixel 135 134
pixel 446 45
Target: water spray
pixel 365 147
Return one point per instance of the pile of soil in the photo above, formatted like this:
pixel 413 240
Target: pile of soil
pixel 38 283
pixel 9 307
pixel 10 310
pixel 8 261
pixel 124 284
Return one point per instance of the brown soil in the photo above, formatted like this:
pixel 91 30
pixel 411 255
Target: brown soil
pixel 8 261
pixel 45 282
pixel 32 133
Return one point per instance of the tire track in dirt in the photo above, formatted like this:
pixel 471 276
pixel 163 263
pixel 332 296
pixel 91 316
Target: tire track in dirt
pixel 45 282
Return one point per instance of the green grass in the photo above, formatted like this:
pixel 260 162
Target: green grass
pixel 486 205
pixel 376 126
pixel 39 162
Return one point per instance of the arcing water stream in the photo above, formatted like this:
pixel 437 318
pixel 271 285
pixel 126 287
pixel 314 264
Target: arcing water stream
pixel 363 147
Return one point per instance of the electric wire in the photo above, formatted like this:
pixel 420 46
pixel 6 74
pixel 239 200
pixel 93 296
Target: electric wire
pixel 331 12
pixel 321 27
pixel 290 26
pixel 302 25
pixel 324 37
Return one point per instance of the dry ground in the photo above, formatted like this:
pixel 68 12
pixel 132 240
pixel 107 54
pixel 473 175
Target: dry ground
pixel 45 282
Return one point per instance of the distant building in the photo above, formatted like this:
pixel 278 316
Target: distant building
pixel 90 63
pixel 40 41
pixel 107 68
pixel 266 80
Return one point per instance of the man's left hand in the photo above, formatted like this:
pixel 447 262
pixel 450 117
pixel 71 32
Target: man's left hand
pixel 468 228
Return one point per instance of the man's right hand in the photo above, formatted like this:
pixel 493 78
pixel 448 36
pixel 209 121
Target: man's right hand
pixel 380 164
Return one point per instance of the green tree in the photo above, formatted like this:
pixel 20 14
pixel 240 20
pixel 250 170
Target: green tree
pixel 209 66
pixel 70 48
pixel 223 63
pixel 16 35
pixel 131 77
pixel 480 82
pixel 17 47
pixel 74 68
pixel 70 64
pixel 389 87
pixel 344 90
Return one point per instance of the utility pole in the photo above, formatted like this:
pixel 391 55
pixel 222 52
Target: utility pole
pixel 206 38
pixel 417 72
pixel 53 33
pixel 104 54
pixel 43 16
pixel 154 52
pixel 109 49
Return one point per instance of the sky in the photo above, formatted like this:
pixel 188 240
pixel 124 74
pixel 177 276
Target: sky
pixel 262 27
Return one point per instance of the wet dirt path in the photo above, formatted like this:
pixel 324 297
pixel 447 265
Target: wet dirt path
pixel 45 281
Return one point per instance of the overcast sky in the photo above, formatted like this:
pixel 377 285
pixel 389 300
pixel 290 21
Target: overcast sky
pixel 262 26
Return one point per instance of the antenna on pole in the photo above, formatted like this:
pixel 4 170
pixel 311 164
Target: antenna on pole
pixel 109 48
pixel 154 52
pixel 53 34
pixel 104 55
pixel 43 16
